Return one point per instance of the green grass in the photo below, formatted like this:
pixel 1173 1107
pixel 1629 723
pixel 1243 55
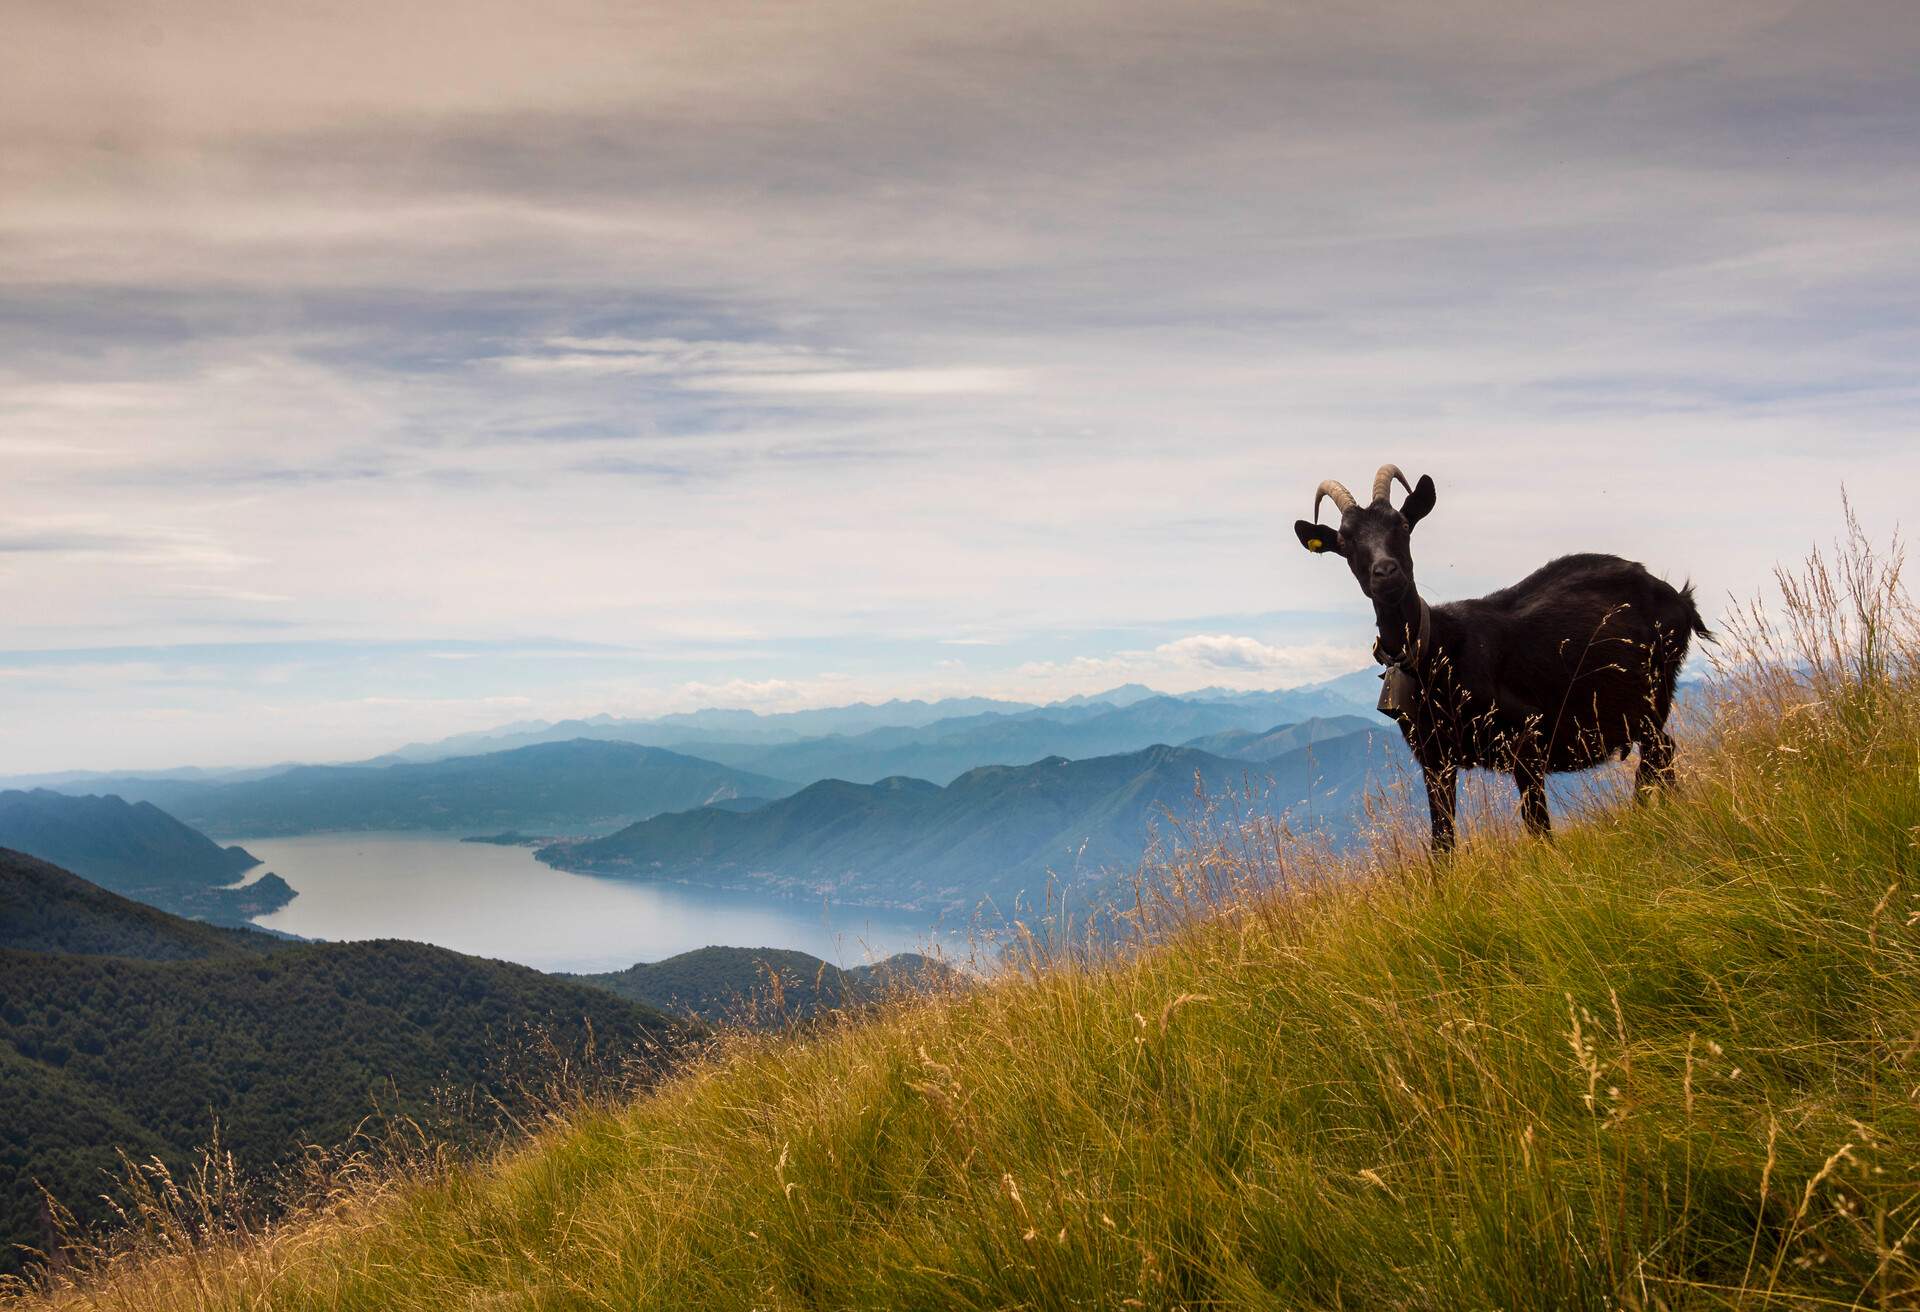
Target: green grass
pixel 1671 1060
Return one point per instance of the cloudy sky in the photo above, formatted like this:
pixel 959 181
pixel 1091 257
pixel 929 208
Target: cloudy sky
pixel 373 372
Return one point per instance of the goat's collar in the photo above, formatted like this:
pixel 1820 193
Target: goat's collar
pixel 1400 681
pixel 1412 655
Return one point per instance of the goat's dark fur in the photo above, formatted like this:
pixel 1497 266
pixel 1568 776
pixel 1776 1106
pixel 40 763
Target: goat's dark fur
pixel 1572 665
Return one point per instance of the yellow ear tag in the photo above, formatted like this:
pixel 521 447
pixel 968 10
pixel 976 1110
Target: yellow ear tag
pixel 1315 544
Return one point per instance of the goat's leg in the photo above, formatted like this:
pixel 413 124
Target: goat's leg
pixel 1530 777
pixel 1656 765
pixel 1441 797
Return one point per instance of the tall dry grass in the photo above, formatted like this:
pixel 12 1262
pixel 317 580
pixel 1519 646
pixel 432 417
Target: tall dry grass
pixel 1671 1060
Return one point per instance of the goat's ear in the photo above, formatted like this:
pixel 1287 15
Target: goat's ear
pixel 1416 506
pixel 1316 538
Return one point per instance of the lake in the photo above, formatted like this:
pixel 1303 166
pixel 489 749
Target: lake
pixel 499 902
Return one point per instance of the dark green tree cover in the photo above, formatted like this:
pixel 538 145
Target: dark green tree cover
pixel 763 987
pixel 45 909
pixel 139 850
pixel 286 1047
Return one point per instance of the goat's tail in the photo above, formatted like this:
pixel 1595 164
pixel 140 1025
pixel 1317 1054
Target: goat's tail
pixel 1698 625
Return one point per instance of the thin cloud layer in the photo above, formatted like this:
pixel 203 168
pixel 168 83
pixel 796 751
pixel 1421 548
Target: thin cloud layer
pixel 760 344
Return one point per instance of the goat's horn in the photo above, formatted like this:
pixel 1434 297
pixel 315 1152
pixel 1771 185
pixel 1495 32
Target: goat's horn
pixel 1342 499
pixel 1383 481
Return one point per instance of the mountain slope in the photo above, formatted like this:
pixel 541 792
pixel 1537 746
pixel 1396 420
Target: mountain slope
pixel 140 851
pixel 552 787
pixel 1250 745
pixel 285 1047
pixel 46 909
pixel 992 833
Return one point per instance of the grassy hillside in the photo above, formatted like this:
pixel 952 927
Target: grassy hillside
pixel 1669 1061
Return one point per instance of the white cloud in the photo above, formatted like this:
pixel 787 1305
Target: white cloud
pixel 666 356
pixel 90 539
pixel 1197 661
pixel 751 368
pixel 216 592
pixel 1223 651
pixel 866 382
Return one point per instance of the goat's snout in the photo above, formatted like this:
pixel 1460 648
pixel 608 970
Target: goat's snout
pixel 1386 570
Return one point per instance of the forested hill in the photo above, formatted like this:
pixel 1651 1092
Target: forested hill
pixel 993 833
pixel 140 851
pixel 46 909
pixel 285 1047
pixel 765 988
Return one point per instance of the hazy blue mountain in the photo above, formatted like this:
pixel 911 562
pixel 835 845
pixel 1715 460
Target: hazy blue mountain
pixel 1125 695
pixel 138 850
pixel 731 736
pixel 573 787
pixel 285 1044
pixel 711 725
pixel 853 718
pixel 740 732
pixel 79 780
pixel 945 749
pixel 520 733
pixel 992 833
pixel 1356 693
pixel 739 803
pixel 167 791
pixel 1246 745
pixel 738 985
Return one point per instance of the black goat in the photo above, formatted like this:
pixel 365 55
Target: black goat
pixel 1570 666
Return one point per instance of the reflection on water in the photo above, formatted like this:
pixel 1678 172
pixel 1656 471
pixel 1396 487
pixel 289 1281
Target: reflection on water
pixel 499 902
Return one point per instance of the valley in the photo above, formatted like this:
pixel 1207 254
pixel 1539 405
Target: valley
pixel 589 854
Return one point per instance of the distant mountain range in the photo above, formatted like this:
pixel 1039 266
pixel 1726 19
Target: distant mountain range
pixel 946 749
pixel 140 851
pixel 830 742
pixel 764 988
pixel 710 725
pixel 1248 745
pixel 993 833
pixel 573 787
pixel 1347 694
pixel 600 779
pixel 121 1026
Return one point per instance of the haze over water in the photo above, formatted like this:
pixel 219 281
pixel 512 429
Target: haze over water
pixel 499 902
